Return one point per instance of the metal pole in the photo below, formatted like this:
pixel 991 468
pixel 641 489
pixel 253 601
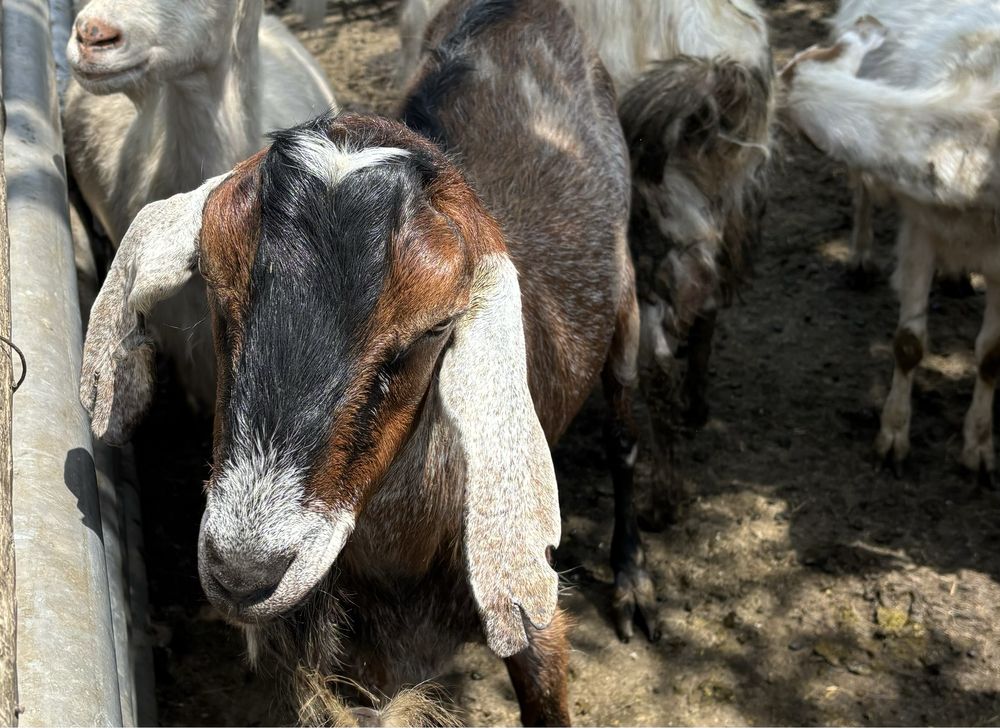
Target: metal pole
pixel 8 604
pixel 66 667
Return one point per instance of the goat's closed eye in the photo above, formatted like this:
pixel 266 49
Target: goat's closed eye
pixel 399 357
pixel 440 327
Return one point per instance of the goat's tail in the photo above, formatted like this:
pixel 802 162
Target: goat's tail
pixel 710 121
pixel 937 145
pixel 320 704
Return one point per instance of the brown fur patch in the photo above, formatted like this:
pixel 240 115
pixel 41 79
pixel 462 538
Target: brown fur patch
pixel 230 232
pixel 451 196
pixel 229 236
pixel 817 54
pixel 907 349
pixel 869 22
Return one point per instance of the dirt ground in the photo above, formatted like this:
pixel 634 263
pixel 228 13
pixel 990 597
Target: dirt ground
pixel 802 585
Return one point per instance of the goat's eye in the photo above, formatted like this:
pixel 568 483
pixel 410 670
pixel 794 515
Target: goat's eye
pixel 440 327
pixel 397 358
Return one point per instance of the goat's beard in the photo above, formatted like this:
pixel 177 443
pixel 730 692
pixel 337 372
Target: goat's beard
pixel 309 636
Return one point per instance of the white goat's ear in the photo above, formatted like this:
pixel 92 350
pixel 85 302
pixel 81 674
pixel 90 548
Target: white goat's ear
pixel 157 256
pixel 511 513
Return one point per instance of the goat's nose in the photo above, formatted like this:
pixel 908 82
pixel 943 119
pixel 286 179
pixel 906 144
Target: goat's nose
pixel 96 34
pixel 245 580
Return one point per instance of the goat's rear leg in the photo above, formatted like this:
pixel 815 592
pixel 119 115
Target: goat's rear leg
pixel 539 674
pixel 977 451
pixel 634 595
pixel 915 272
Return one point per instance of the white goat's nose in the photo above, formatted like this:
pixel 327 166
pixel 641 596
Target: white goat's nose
pixel 97 35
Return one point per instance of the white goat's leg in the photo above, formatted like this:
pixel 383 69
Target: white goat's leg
pixel 862 269
pixel 977 452
pixel 913 277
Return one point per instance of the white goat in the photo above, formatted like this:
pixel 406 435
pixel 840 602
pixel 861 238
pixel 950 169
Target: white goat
pixel 902 61
pixel 926 127
pixel 164 95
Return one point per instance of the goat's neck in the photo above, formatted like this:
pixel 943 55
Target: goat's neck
pixel 204 123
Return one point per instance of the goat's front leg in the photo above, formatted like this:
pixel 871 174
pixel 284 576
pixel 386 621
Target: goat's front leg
pixel 539 674
pixel 977 452
pixel 914 274
pixel 634 595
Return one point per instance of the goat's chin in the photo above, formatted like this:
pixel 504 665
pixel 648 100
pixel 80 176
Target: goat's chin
pixel 315 557
pixel 111 78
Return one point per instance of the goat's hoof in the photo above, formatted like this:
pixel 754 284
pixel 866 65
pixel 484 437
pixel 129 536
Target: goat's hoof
pixel 635 603
pixel 862 276
pixel 891 449
pixel 955 286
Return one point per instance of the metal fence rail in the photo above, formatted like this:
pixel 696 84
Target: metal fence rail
pixel 8 613
pixel 67 669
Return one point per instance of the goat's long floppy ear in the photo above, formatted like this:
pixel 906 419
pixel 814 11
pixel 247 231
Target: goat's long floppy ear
pixel 511 504
pixel 157 256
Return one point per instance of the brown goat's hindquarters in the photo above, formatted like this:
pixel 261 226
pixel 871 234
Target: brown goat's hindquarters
pixel 511 513
pixel 158 255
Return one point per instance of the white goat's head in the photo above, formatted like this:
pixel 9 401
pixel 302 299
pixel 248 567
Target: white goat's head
pixel 123 46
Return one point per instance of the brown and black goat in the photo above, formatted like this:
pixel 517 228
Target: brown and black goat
pixel 398 344
pixel 695 84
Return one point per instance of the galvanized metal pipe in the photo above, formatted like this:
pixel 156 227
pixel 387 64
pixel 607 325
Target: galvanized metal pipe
pixel 8 610
pixel 67 671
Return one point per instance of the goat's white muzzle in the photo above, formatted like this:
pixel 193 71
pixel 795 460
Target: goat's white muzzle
pixel 255 575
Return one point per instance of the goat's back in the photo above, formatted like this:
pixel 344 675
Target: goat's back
pixel 520 99
pixel 929 42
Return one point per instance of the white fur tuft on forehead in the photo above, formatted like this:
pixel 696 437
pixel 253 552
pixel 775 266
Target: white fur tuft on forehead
pixel 323 159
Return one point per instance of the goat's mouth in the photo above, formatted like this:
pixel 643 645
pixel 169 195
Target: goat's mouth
pixel 107 77
pixel 315 555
